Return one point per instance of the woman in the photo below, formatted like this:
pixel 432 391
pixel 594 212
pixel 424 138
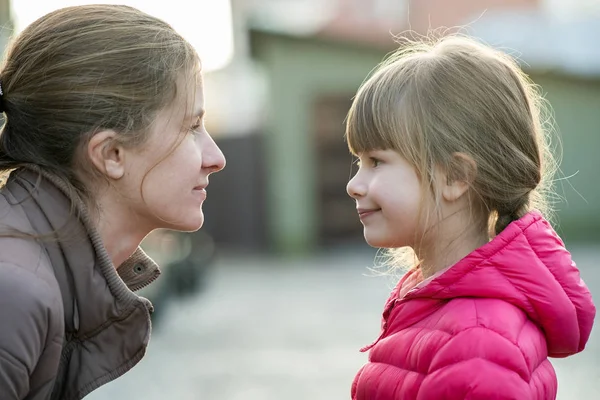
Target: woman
pixel 105 142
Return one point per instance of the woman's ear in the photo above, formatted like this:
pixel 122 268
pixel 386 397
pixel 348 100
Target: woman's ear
pixel 106 154
pixel 460 175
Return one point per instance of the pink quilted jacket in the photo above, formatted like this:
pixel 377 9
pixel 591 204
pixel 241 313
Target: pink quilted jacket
pixel 484 328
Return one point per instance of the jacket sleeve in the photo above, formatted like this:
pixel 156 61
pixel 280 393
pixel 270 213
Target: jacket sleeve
pixel 477 364
pixel 25 303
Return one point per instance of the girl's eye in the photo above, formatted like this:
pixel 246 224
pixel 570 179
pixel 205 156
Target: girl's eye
pixel 374 161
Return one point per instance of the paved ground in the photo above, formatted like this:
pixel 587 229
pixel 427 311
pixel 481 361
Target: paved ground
pixel 268 329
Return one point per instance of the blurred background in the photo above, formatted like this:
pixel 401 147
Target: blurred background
pixel 273 297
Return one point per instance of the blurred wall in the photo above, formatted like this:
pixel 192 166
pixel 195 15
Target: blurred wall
pixel 6 24
pixel 303 71
pixel 576 104
pixel 235 207
pixel 300 71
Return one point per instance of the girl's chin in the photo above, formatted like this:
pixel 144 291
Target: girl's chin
pixel 382 243
pixel 373 239
pixel 375 243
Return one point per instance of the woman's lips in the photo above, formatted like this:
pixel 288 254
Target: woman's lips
pixel 200 191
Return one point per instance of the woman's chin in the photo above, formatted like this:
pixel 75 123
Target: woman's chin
pixel 191 223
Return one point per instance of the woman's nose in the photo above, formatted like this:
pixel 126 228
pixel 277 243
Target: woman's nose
pixel 212 158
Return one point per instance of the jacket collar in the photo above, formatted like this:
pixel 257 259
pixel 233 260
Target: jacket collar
pixel 84 266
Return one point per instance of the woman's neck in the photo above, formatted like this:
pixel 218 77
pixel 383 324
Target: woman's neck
pixel 118 227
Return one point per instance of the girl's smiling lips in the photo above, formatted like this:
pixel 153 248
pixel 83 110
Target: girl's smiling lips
pixel 365 212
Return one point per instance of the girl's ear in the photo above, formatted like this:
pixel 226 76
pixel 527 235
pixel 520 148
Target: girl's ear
pixel 460 175
pixel 106 154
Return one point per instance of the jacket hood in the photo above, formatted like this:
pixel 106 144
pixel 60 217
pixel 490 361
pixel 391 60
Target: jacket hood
pixel 528 266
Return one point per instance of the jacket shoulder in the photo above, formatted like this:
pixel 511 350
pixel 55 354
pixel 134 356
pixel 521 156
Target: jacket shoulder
pixel 468 312
pixel 488 329
pixel 23 287
pixel 31 341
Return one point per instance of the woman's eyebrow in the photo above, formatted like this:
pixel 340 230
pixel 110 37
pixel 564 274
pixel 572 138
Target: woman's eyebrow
pixel 199 113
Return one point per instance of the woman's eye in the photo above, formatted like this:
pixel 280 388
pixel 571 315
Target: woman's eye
pixel 198 123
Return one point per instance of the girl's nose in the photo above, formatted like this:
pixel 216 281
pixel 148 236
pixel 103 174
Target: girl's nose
pixel 355 188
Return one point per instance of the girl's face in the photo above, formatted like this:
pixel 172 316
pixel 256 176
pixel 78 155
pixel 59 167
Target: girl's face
pixel 388 198
pixel 165 179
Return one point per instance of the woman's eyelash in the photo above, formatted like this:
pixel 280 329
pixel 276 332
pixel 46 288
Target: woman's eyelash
pixel 197 125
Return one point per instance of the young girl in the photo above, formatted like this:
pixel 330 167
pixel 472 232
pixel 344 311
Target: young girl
pixel 105 141
pixel 453 164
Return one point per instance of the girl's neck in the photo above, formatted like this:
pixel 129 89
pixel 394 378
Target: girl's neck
pixel 451 244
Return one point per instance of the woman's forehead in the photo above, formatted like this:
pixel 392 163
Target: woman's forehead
pixel 189 100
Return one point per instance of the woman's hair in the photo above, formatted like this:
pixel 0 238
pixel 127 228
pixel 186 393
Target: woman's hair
pixel 435 98
pixel 82 69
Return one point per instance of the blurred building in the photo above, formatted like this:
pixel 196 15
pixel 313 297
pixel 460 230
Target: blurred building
pixel 278 108
pixel 5 32
pixel 6 23
pixel 289 172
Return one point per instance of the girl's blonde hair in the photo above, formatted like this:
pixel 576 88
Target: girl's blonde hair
pixel 81 69
pixel 435 98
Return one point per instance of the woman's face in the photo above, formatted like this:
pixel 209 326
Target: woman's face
pixel 165 179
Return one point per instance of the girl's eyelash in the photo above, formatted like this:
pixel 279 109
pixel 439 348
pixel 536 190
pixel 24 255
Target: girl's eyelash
pixel 373 161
